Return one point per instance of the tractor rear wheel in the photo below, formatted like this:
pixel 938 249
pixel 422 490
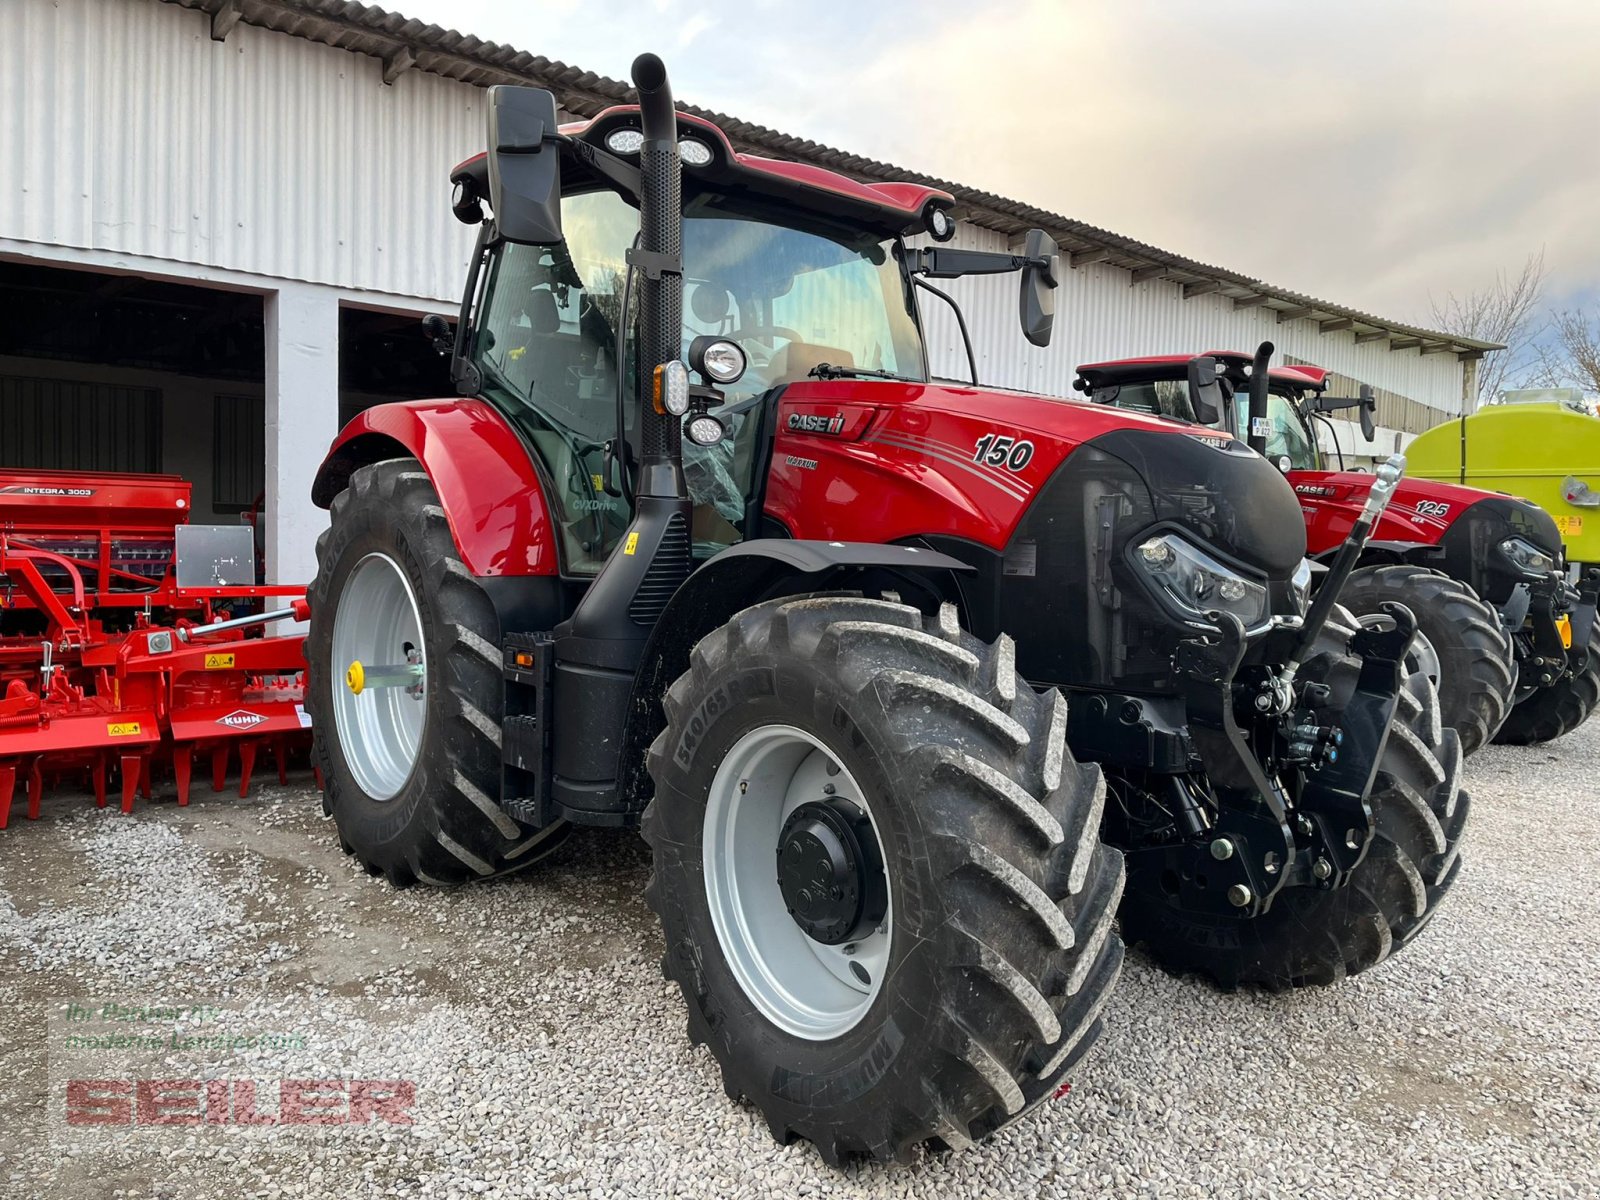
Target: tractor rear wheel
pixel 1310 936
pixel 1459 643
pixel 1554 711
pixel 411 769
pixel 879 874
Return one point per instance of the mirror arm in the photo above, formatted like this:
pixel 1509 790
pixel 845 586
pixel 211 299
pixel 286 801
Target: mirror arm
pixel 939 262
pixel 463 371
pixel 961 322
pixel 624 174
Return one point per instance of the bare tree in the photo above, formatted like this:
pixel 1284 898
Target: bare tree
pixel 1507 311
pixel 1571 357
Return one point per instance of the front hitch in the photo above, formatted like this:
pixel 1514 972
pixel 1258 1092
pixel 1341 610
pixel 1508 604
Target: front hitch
pixel 1334 797
pixel 1256 843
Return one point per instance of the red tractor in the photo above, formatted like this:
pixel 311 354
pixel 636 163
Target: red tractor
pixel 809 621
pixel 1499 628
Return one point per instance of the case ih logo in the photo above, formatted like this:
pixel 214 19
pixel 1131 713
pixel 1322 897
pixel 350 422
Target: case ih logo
pixel 22 489
pixel 1212 440
pixel 816 423
pixel 1316 489
pixel 240 719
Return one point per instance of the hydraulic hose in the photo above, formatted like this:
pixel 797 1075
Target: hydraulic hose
pixel 1260 381
pixel 661 279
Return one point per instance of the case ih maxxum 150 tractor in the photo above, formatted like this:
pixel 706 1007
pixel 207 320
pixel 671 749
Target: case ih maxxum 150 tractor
pixel 810 622
pixel 1499 628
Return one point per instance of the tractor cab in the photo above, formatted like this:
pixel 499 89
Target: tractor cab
pixel 788 273
pixel 1171 386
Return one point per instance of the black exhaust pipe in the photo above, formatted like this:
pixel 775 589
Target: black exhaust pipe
pixel 599 652
pixel 1260 380
pixel 659 263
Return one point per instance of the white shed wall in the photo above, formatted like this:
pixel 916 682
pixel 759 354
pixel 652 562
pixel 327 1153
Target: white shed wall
pixel 1100 316
pixel 129 130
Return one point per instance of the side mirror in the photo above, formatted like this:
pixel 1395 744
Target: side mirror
pixel 1038 300
pixel 524 165
pixel 437 330
pixel 1205 390
pixel 1369 405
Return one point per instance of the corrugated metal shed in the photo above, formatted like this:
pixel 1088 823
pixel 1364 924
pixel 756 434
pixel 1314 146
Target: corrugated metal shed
pixel 129 129
pixel 320 156
pixel 402 44
pixel 1100 316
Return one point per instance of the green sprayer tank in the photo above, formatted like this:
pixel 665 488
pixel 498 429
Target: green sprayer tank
pixel 1544 452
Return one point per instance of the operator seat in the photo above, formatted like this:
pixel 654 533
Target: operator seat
pixel 797 360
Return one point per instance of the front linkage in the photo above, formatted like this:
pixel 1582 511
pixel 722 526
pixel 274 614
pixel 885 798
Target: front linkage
pixel 1251 723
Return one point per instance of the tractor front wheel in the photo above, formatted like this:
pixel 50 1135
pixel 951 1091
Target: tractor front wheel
pixel 879 874
pixel 404 682
pixel 1459 644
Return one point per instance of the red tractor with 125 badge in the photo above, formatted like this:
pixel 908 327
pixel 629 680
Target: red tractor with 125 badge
pixel 810 621
pixel 1500 629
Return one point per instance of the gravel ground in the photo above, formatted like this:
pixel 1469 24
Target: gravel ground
pixel 549 1058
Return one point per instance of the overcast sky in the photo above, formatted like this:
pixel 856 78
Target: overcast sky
pixel 1366 153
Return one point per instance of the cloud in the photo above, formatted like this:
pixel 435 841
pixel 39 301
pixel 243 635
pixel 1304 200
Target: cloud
pixel 697 24
pixel 1365 152
pixel 1368 152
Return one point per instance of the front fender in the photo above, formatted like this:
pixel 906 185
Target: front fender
pixel 743 575
pixel 487 483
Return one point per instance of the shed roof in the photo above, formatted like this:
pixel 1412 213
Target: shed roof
pixel 403 44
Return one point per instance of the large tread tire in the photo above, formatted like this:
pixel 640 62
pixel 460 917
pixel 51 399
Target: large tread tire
pixel 1311 937
pixel 1554 711
pixel 1003 951
pixel 445 826
pixel 1477 664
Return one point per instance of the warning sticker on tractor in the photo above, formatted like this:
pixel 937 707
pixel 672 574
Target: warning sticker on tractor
pixel 218 662
pixel 303 715
pixel 632 546
pixel 122 729
pixel 1569 526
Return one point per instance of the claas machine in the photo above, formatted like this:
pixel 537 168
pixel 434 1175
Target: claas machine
pixel 1550 453
pixel 1501 630
pixel 701 550
pixel 131 641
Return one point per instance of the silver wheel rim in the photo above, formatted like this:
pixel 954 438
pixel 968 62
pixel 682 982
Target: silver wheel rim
pixel 808 989
pixel 1421 657
pixel 380 729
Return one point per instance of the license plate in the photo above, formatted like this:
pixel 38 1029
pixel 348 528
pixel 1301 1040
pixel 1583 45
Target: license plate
pixel 1569 526
pixel 1564 625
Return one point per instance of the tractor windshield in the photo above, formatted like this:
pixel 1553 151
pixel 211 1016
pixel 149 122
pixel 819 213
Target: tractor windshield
pixel 791 296
pixel 1289 438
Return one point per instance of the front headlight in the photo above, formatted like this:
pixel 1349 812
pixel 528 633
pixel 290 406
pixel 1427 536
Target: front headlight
pixel 1526 557
pixel 1300 585
pixel 1193 583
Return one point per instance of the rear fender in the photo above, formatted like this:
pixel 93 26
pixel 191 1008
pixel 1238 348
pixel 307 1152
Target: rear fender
pixel 486 480
pixel 746 574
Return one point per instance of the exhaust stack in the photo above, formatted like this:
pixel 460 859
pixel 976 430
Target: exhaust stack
pixel 1260 380
pixel 658 259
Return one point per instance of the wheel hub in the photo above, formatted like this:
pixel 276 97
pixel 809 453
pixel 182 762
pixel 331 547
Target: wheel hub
pixel 830 873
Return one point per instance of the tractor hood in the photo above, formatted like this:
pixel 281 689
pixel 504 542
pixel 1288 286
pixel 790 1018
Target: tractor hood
pixel 1424 510
pixel 983 459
